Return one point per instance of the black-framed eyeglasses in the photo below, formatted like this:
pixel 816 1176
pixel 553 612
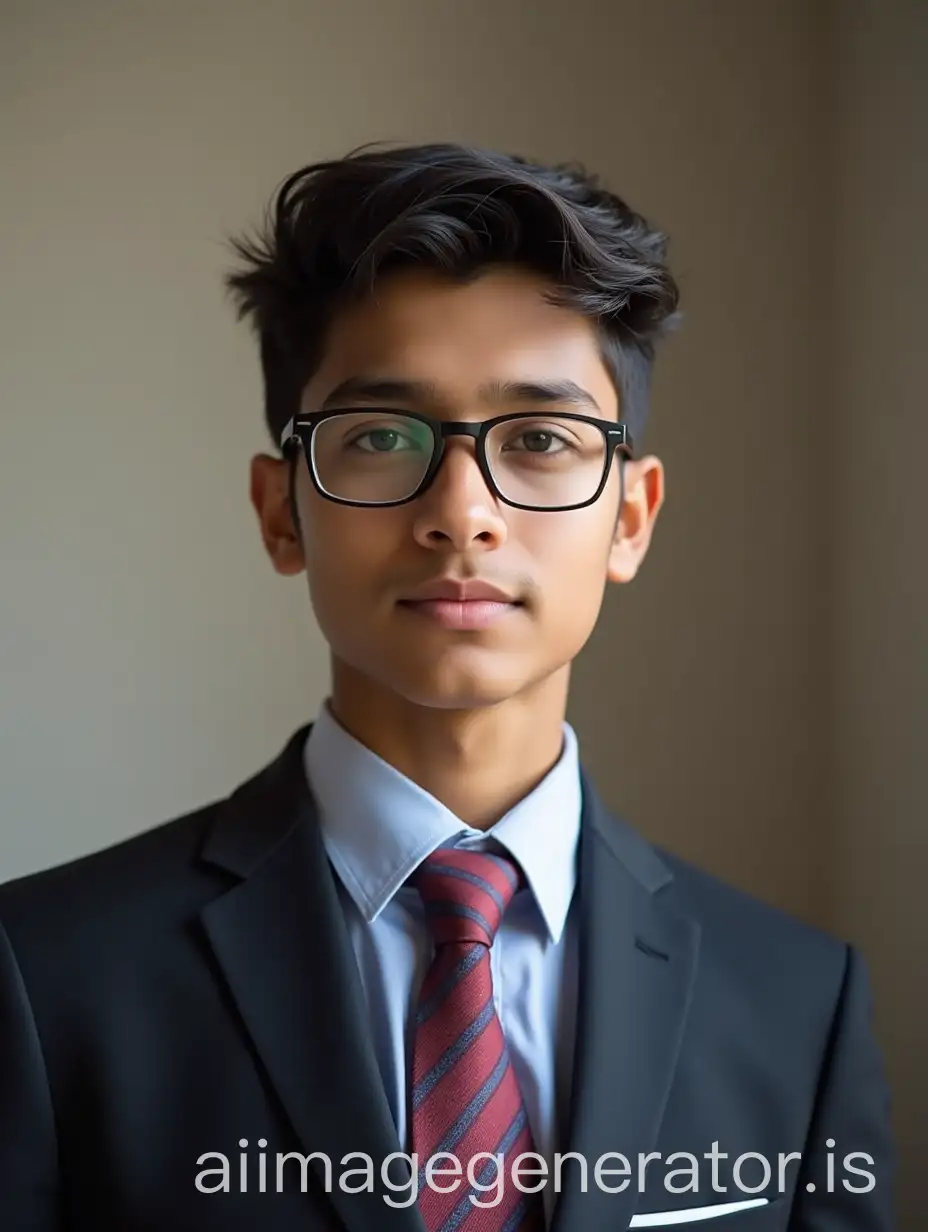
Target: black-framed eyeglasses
pixel 530 460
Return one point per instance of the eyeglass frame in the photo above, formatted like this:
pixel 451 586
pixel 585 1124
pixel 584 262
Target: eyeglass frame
pixel 616 435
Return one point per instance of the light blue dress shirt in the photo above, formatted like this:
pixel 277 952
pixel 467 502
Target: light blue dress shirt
pixel 377 827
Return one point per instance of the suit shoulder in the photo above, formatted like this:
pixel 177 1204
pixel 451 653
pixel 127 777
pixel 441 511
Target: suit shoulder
pixel 158 877
pixel 746 924
pixel 123 878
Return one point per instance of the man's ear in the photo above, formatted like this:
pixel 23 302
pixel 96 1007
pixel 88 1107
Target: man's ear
pixel 270 496
pixel 642 499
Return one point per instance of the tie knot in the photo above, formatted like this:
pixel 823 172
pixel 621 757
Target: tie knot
pixel 465 893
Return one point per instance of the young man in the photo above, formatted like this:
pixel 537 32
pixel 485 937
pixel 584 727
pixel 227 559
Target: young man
pixel 403 971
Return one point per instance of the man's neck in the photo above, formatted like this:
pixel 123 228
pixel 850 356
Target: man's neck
pixel 478 762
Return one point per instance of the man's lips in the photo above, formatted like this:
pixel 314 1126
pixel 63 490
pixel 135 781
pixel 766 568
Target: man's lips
pixel 456 590
pixel 462 614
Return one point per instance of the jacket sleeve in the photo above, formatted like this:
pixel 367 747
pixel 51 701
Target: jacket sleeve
pixel 28 1152
pixel 849 1160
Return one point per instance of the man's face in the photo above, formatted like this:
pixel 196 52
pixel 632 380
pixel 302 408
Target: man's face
pixel 362 563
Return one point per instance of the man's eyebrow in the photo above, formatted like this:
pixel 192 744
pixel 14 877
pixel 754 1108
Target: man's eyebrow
pixel 561 392
pixel 381 389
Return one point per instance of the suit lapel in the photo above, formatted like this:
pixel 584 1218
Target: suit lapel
pixel 637 967
pixel 281 943
pixel 279 938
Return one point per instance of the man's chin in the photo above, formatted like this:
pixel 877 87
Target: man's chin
pixel 459 686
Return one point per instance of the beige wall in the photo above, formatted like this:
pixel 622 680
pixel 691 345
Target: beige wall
pixel 153 658
pixel 880 440
pixel 150 659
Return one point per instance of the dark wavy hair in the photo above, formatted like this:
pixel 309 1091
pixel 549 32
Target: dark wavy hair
pixel 334 227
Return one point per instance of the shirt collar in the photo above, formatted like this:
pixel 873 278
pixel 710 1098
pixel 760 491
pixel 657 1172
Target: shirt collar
pixel 378 825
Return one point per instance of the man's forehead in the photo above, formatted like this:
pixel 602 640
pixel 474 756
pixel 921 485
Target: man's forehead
pixel 500 304
pixel 461 339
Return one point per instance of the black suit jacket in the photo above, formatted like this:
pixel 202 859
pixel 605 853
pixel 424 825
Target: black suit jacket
pixel 195 986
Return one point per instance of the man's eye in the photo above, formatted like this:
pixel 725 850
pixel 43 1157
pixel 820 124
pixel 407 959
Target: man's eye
pixel 538 441
pixel 382 440
pixel 541 442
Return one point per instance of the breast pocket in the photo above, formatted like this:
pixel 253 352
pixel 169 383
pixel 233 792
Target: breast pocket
pixel 747 1215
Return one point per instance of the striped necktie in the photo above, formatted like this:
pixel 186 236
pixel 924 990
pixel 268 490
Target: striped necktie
pixel 464 1097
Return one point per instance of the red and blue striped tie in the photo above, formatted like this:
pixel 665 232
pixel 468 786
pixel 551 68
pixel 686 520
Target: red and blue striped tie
pixel 464 1097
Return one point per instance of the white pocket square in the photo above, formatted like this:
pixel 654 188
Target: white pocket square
pixel 693 1214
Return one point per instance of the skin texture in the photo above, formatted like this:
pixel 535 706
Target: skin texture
pixel 474 717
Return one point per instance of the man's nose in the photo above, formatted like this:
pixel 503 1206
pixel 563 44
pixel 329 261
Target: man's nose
pixel 459 509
